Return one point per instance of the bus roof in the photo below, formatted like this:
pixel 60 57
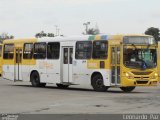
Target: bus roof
pixel 70 38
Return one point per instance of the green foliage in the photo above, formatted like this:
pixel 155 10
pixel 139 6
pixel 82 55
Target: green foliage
pixel 154 32
pixel 5 36
pixel 43 34
pixel 92 31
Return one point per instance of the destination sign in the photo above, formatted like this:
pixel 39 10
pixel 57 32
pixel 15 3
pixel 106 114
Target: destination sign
pixel 138 40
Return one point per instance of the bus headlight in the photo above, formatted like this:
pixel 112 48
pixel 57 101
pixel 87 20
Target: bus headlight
pixel 127 75
pixel 155 74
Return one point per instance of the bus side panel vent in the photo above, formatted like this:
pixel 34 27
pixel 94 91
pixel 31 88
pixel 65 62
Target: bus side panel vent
pixel 102 64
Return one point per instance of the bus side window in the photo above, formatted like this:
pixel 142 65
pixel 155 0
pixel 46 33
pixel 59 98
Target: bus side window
pixel 100 49
pixel 40 50
pixel 28 51
pixel 83 50
pixel 53 49
pixel 8 51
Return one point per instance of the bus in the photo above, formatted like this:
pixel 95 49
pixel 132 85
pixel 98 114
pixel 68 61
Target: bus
pixel 102 61
pixel 158 60
pixel 0 60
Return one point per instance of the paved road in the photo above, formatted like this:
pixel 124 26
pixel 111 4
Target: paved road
pixel 20 97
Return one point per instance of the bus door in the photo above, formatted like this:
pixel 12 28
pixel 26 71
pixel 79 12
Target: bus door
pixel 18 61
pixel 67 55
pixel 115 65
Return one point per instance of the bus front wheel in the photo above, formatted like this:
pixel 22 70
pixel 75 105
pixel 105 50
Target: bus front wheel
pixel 35 80
pixel 127 89
pixel 97 83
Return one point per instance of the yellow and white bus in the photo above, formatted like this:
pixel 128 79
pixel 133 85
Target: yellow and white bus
pixel 103 61
pixel 0 60
pixel 158 60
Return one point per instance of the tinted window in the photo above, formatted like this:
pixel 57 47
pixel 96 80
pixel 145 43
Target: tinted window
pixel 53 50
pixel 8 51
pixel 28 51
pixel 40 50
pixel 65 56
pixel 83 50
pixel 100 49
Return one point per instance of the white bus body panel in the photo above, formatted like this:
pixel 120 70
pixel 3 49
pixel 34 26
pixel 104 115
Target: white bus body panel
pixel 26 72
pixel 53 71
pixel 18 72
pixel 81 74
pixel 8 72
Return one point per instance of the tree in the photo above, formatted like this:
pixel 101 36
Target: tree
pixel 43 34
pixel 50 35
pixel 5 36
pixel 154 32
pixel 92 31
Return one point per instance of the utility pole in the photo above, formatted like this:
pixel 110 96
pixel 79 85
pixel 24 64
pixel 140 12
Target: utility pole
pixel 56 30
pixel 86 25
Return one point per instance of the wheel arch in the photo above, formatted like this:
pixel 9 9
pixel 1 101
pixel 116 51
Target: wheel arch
pixel 94 74
pixel 32 73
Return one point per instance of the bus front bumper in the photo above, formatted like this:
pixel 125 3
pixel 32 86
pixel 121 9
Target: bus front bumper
pixel 138 82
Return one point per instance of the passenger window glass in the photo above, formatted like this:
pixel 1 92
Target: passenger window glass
pixel 113 56
pixel 40 50
pixel 53 50
pixel 83 50
pixel 28 51
pixel 71 55
pixel 118 55
pixel 8 51
pixel 100 49
pixel 65 55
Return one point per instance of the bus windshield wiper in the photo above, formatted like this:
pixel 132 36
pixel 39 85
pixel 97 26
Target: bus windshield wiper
pixel 134 46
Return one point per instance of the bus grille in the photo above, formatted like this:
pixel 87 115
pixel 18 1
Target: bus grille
pixel 142 82
pixel 142 73
pixel 141 77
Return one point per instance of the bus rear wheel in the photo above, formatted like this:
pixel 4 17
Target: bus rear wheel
pixel 42 84
pixel 97 83
pixel 62 86
pixel 35 80
pixel 127 89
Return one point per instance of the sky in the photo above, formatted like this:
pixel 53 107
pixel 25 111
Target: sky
pixel 25 18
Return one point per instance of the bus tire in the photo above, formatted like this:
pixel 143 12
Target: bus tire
pixel 62 86
pixel 42 84
pixel 127 89
pixel 35 80
pixel 97 83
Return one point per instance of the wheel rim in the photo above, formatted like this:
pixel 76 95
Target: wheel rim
pixel 35 79
pixel 99 83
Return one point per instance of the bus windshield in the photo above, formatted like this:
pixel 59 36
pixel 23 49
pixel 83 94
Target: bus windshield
pixel 142 58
